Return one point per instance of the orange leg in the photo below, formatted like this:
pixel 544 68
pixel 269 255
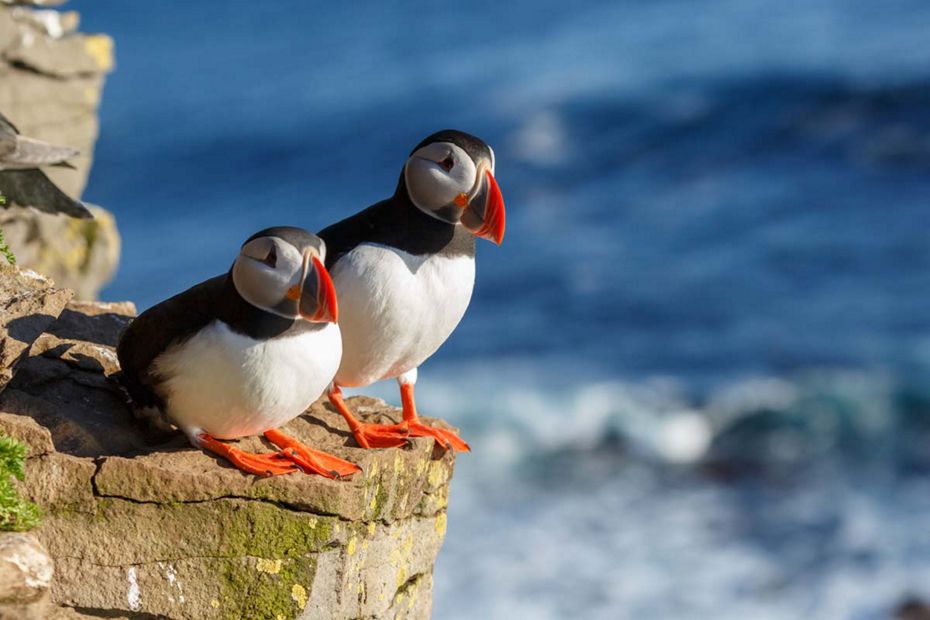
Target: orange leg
pixel 310 460
pixel 369 435
pixel 447 439
pixel 258 464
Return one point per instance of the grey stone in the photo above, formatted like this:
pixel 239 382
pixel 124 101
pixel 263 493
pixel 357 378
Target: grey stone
pixel 25 578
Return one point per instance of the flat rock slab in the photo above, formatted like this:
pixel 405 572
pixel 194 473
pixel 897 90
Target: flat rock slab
pixel 138 522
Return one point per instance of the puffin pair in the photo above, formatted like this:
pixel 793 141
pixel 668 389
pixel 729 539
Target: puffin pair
pixel 245 352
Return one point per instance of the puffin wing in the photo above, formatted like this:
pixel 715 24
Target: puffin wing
pixel 154 331
pixel 31 188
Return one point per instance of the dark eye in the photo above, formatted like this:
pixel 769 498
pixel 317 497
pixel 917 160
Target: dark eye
pixel 448 163
pixel 272 259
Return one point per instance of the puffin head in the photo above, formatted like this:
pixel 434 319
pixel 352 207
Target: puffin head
pixel 280 270
pixel 450 176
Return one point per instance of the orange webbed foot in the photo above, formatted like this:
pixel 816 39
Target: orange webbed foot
pixel 310 460
pixel 446 439
pixel 259 464
pixel 381 435
pixel 369 435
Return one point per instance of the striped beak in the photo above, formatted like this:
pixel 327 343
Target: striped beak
pixel 317 295
pixel 483 214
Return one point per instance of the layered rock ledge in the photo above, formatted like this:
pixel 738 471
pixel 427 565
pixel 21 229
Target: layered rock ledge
pixel 139 524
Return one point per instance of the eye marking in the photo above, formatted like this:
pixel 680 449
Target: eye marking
pixel 448 163
pixel 272 258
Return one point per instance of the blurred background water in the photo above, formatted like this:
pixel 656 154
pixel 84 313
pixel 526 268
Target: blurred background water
pixel 695 376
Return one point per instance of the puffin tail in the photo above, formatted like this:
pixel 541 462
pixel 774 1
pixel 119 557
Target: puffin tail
pixel 149 414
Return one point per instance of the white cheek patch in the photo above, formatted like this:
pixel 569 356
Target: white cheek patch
pixel 266 287
pixel 441 187
pixel 255 282
pixel 290 267
pixel 430 186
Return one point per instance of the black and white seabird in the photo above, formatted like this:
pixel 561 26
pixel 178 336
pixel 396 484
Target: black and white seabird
pixel 243 353
pixel 404 270
pixel 21 180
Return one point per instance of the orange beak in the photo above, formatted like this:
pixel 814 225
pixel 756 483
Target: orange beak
pixel 318 295
pixel 484 214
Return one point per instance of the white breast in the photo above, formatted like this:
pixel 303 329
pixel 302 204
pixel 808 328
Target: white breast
pixel 396 309
pixel 230 385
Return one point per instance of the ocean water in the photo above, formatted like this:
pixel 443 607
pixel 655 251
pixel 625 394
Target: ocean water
pixel 696 376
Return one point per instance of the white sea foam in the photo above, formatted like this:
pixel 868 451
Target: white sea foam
pixel 545 523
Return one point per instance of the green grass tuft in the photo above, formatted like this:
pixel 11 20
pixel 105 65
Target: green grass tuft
pixel 16 513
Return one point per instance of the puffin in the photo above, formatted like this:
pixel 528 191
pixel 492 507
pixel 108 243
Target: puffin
pixel 22 180
pixel 243 353
pixel 404 269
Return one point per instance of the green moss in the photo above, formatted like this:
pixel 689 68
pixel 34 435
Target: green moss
pixel 278 545
pixel 16 514
pixel 409 588
pixel 270 552
pixel 378 492
pixel 381 500
pixel 267 531
pixel 226 527
pixel 250 591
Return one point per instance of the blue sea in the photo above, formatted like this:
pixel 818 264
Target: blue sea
pixel 696 375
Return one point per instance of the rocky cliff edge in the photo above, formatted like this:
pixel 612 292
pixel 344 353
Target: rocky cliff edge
pixel 139 524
